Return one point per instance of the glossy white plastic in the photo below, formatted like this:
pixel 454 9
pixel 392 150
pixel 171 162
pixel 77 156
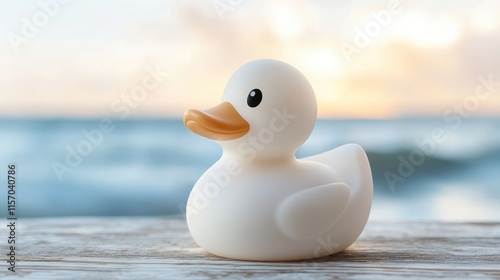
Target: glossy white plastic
pixel 258 201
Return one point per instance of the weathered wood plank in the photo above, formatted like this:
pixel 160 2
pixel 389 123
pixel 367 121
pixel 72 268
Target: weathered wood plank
pixel 161 248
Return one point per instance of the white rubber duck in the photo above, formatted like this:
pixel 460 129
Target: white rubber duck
pixel 258 201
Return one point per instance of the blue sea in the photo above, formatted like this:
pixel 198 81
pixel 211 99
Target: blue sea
pixel 148 166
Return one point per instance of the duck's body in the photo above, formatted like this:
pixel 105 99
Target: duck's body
pixel 254 230
pixel 267 205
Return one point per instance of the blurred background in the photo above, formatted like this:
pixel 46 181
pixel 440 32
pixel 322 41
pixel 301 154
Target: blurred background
pixel 92 95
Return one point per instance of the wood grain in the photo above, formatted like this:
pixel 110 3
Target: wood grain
pixel 161 248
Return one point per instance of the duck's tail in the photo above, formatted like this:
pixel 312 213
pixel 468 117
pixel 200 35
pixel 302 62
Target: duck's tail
pixel 352 165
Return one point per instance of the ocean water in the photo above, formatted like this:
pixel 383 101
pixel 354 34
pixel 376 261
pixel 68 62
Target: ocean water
pixel 148 167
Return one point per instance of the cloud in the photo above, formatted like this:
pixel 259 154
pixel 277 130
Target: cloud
pixel 424 61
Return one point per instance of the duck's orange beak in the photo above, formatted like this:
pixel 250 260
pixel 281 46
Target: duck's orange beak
pixel 222 122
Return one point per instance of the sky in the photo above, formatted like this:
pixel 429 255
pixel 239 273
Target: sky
pixel 364 59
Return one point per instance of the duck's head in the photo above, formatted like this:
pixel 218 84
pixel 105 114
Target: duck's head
pixel 268 110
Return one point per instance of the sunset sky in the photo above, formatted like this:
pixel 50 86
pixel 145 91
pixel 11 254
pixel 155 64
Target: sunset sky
pixel 364 59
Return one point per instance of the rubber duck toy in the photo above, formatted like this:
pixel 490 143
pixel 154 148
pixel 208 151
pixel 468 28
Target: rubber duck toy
pixel 259 202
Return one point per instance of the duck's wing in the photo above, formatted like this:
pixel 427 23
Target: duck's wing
pixel 351 163
pixel 311 212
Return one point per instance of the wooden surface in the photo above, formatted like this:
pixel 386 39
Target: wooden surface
pixel 161 248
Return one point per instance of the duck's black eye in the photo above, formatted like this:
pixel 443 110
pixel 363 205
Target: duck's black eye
pixel 254 98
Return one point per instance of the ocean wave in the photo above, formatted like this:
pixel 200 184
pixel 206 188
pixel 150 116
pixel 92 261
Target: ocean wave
pixel 147 167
